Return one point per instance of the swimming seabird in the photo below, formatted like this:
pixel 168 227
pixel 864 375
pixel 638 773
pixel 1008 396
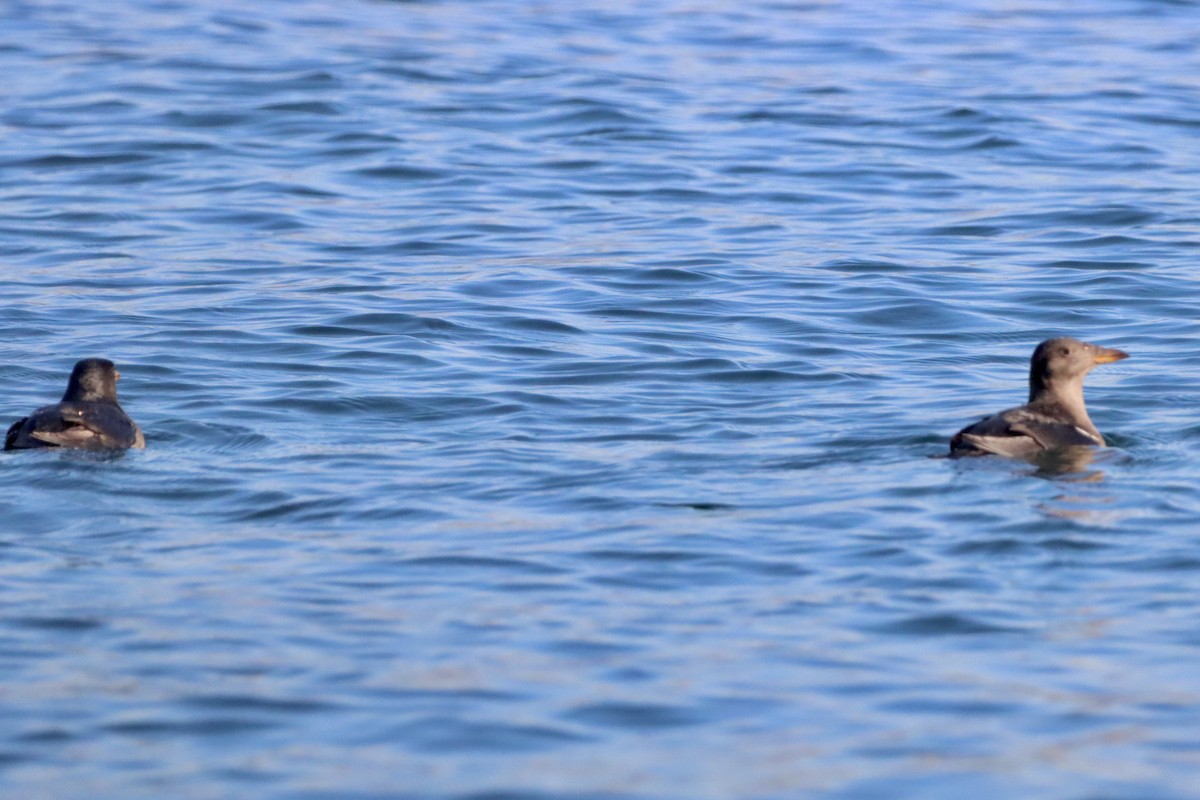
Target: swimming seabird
pixel 88 416
pixel 1054 417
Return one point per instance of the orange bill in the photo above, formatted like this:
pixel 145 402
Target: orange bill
pixel 1106 355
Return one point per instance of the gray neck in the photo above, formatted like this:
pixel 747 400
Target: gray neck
pixel 1064 399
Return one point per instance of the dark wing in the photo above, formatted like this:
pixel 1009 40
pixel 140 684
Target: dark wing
pixel 14 434
pixel 1018 433
pixel 1053 435
pixel 90 426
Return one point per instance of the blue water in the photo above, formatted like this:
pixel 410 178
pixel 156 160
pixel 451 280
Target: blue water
pixel 540 399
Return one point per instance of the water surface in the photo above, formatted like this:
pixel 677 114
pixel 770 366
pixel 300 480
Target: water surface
pixel 540 399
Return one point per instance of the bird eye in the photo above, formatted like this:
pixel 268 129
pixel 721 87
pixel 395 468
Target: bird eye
pixel 1064 352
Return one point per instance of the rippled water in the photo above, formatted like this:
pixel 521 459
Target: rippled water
pixel 540 399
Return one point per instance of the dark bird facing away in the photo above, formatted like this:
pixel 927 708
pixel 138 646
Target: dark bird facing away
pixel 1055 416
pixel 88 417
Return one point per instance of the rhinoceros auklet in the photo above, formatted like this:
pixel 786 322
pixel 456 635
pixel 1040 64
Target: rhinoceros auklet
pixel 1055 415
pixel 88 416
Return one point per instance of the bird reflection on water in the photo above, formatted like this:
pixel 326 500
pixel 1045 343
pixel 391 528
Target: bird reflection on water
pixel 1080 467
pixel 1070 460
